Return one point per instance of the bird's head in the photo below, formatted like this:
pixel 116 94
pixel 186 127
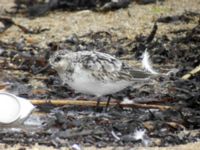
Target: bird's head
pixel 60 60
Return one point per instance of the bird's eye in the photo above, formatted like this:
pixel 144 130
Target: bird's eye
pixel 57 59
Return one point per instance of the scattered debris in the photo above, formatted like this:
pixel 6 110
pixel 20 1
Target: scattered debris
pixel 147 1
pixel 185 17
pixel 8 22
pixel 38 8
pixel 166 110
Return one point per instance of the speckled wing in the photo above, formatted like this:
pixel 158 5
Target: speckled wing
pixel 105 67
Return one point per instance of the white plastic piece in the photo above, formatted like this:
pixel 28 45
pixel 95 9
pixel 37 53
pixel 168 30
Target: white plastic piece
pixel 76 147
pixel 26 106
pixel 126 100
pixel 13 109
pixel 9 108
pixel 139 134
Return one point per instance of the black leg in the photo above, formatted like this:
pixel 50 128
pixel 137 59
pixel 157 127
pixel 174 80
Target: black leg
pixel 97 106
pixel 108 102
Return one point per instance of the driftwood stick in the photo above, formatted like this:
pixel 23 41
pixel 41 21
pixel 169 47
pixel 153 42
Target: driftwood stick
pixel 191 73
pixel 61 102
pixel 3 86
pixel 94 103
pixel 175 125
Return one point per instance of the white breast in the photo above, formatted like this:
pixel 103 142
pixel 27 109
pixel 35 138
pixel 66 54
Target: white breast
pixel 84 82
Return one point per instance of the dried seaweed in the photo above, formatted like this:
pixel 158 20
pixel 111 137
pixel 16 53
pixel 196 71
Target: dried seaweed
pixel 38 8
pixel 8 22
pixel 185 17
pixel 71 124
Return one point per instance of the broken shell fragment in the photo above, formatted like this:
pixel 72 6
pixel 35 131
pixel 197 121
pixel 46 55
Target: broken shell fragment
pixel 13 109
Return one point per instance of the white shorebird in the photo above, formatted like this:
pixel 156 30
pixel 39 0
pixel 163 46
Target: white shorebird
pixel 97 73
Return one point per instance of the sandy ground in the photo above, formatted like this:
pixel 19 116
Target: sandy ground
pixel 190 146
pixel 137 19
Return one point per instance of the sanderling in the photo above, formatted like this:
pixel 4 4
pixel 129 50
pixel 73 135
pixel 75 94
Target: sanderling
pixel 97 73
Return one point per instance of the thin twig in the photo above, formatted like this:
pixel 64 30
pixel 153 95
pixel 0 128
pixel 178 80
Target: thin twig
pixel 191 73
pixel 3 86
pixel 175 125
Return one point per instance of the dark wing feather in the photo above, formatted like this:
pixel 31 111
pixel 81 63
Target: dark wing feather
pixel 105 67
